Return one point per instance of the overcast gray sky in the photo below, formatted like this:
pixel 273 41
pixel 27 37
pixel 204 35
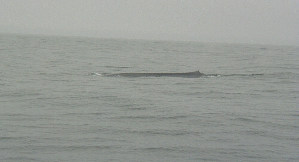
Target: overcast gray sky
pixel 243 21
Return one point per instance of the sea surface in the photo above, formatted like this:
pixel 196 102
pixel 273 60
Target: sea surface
pixel 56 104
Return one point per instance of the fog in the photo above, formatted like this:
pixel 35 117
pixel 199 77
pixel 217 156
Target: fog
pixel 231 21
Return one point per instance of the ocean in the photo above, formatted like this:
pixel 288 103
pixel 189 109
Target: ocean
pixel 65 99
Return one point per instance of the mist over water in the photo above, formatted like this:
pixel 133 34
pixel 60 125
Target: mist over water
pixel 55 104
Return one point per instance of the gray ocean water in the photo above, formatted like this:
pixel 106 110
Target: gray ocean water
pixel 55 104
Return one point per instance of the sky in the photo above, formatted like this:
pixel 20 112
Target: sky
pixel 230 21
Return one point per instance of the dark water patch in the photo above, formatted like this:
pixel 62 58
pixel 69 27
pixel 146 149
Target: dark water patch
pixel 21 93
pixel 80 114
pixel 5 138
pixel 243 119
pixel 295 115
pixel 255 132
pixel 19 158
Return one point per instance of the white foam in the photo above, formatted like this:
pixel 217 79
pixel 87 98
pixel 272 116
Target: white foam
pixel 94 73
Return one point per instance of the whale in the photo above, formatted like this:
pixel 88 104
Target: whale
pixel 194 74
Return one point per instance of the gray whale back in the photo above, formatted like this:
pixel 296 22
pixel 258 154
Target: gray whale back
pixel 194 74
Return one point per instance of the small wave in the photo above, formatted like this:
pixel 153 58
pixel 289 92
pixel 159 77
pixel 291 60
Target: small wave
pixel 162 132
pixel 168 149
pixel 11 138
pixel 242 75
pixel 152 117
pixel 118 67
pixel 20 158
pixel 83 147
pixel 243 119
